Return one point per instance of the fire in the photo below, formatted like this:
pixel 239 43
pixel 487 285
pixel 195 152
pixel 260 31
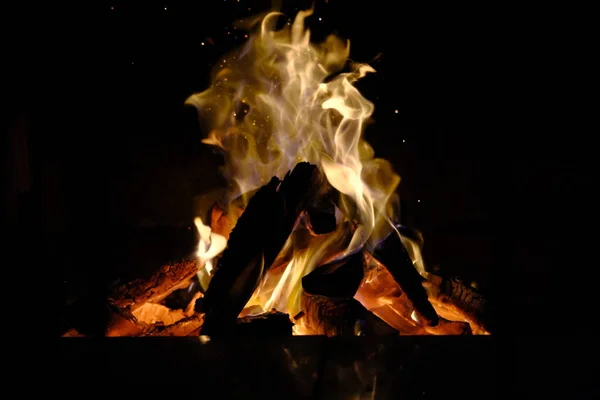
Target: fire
pixel 210 245
pixel 280 100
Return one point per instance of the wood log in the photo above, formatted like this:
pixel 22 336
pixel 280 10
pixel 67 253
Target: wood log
pixel 320 218
pixel 272 323
pixel 254 243
pixel 181 298
pixel 222 220
pixel 154 288
pixel 382 295
pixel 339 317
pixel 135 307
pixel 189 326
pixel 338 278
pixel 392 254
pixel 454 300
pixel 446 327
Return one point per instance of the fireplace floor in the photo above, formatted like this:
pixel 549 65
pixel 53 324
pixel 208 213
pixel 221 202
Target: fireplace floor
pixel 290 367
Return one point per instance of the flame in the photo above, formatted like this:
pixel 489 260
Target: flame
pixel 280 100
pixel 211 244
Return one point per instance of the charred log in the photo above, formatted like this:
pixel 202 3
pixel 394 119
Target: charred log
pixel 391 253
pixel 267 324
pixel 241 265
pixel 223 219
pixel 320 214
pixel 446 327
pixel 254 243
pixel 340 317
pixel 155 288
pixel 339 278
pixel 189 326
pixel 179 299
pixel 450 298
pixel 321 218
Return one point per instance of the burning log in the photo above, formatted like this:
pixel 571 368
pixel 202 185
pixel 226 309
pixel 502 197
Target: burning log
pixel 135 306
pixel 455 301
pixel 339 278
pixel 254 243
pixel 446 327
pixel 328 304
pixel 339 317
pixel 189 326
pixel 155 288
pixel 391 253
pixel 223 220
pixel 273 323
pixel 321 217
pixel 180 299
pixel 382 295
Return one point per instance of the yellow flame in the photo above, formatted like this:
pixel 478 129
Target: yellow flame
pixel 210 245
pixel 280 100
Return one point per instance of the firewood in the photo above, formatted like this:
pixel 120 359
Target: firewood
pixel 382 295
pixel 454 300
pixel 179 299
pixel 392 254
pixel 189 326
pixel 272 323
pixel 320 218
pixel 339 317
pixel 223 220
pixel 254 243
pixel 338 278
pixel 155 288
pixel 446 327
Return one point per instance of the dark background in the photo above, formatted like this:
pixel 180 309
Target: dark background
pixel 99 143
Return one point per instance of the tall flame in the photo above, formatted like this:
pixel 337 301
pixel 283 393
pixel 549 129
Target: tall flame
pixel 280 100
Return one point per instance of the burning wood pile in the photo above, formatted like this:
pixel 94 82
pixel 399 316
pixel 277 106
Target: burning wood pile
pixel 305 242
pixel 375 290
